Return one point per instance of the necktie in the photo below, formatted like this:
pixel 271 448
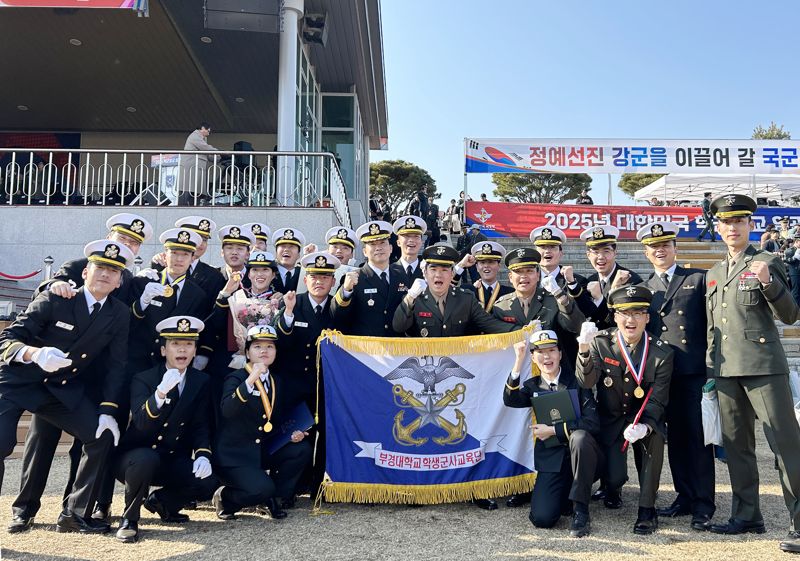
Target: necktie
pixel 731 265
pixel 410 271
pixel 487 289
pixel 441 306
pixel 553 387
pixel 318 311
pixel 288 279
pixel 602 286
pixel 524 307
pixel 95 308
pixel 665 279
pixel 385 278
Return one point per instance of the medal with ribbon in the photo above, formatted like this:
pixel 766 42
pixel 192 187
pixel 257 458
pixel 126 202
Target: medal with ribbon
pixel 168 287
pixel 638 375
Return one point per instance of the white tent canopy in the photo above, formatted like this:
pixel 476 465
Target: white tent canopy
pixel 690 187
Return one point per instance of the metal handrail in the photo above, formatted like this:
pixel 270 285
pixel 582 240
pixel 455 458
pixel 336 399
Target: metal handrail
pixel 84 176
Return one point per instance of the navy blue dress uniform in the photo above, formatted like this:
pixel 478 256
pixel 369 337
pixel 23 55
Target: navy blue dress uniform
pixel 566 472
pixel 621 396
pixel 214 342
pixel 169 432
pixel 297 353
pixel 59 395
pixel 561 315
pixel 202 274
pixel 463 315
pixel 287 236
pixel 548 236
pixel 677 316
pixel 487 294
pixel 240 453
pixel 746 357
pixel 369 309
pixel 403 226
pixel 42 438
pixel 181 296
pixel 131 225
pixel 596 237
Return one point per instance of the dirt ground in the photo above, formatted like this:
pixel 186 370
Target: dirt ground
pixel 447 532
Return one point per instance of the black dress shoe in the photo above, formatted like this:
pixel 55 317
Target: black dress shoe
pixel 701 522
pixel 191 505
pixel 20 524
pixel 612 499
pixel 128 531
pixel 792 542
pixel 599 495
pixel 518 499
pixel 154 505
pixel 272 510
pixel 286 504
pixel 216 500
pixel 580 525
pixel 646 521
pixel 102 513
pixel 674 510
pixel 736 526
pixel 485 504
pixel 71 522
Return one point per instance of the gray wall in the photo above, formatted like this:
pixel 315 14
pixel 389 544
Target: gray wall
pixel 29 234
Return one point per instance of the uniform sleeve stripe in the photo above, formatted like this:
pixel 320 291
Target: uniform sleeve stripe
pixel 239 395
pixel 149 413
pixel 340 300
pixel 202 450
pixel 12 349
pixel 133 309
pixel 109 403
pixel 512 388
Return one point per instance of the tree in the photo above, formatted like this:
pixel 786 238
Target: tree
pixel 629 183
pixel 772 132
pixel 397 181
pixel 548 188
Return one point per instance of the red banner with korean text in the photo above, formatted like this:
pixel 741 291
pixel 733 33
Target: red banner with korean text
pixel 516 220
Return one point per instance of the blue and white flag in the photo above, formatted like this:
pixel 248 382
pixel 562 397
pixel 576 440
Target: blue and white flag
pixel 422 420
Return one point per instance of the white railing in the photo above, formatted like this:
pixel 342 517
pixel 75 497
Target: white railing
pixel 174 177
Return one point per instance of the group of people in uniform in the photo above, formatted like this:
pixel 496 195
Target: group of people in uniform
pixel 184 377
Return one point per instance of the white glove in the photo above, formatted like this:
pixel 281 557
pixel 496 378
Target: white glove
pixel 170 379
pixel 151 290
pixel 417 288
pixel 50 359
pixel 550 285
pixel 588 333
pixel 148 273
pixel 107 422
pixel 200 362
pixel 201 467
pixel 632 433
pixel 535 324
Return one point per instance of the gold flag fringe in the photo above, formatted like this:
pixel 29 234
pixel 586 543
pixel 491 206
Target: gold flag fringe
pixel 421 346
pixel 427 494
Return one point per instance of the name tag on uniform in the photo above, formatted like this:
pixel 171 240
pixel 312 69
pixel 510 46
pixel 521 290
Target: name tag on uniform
pixel 611 361
pixel 66 326
pixel 301 324
pixel 425 315
pixel 688 287
pixel 370 291
pixel 402 288
pixel 510 319
pixel 155 303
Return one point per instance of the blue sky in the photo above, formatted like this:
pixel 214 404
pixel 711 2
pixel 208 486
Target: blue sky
pixel 617 69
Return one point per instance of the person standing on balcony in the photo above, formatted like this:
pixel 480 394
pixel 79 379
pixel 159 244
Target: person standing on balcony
pixel 194 169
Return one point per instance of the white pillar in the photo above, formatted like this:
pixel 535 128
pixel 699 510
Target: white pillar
pixel 287 97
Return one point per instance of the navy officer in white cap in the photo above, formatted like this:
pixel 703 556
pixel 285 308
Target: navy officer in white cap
pixel 168 442
pixel 44 358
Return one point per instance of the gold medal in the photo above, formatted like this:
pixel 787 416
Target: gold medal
pixel 638 393
pixel 168 291
pixel 267 426
pixel 608 382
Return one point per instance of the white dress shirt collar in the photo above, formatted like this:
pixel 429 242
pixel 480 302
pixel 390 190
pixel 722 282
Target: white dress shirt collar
pixel 90 299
